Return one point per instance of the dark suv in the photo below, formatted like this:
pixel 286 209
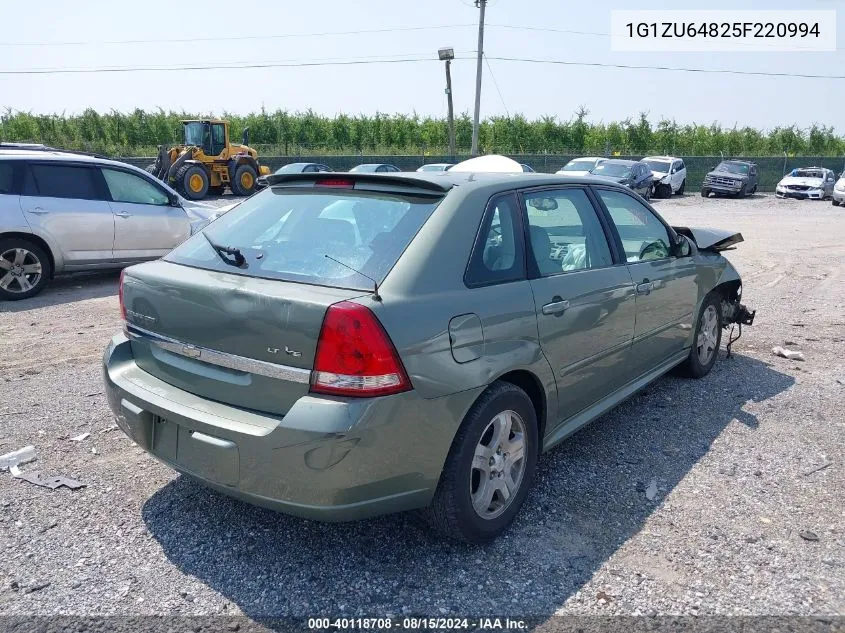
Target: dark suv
pixel 731 177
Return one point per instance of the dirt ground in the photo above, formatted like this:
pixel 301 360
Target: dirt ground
pixel 747 466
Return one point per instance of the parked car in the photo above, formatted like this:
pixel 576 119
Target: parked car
pixel 435 167
pixel 737 178
pixel 63 212
pixel 417 349
pixel 295 168
pixel 670 175
pixel 581 166
pixel 838 196
pixel 813 183
pixel 375 168
pixel 634 174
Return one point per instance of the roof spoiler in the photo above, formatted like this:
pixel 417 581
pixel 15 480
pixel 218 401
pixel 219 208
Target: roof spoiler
pixel 405 182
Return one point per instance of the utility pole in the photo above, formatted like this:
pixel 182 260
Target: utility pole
pixel 482 5
pixel 447 55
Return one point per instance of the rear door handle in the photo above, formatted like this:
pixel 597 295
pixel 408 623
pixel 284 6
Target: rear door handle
pixel 555 307
pixel 123 214
pixel 645 287
pixel 37 211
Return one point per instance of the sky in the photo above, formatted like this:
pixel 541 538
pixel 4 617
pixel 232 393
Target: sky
pixel 117 33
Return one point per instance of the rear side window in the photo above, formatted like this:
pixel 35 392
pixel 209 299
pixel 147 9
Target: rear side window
pixel 297 234
pixel 6 177
pixel 64 181
pixel 498 255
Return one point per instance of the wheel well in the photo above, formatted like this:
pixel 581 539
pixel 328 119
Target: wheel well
pixel 35 240
pixel 729 290
pixel 532 386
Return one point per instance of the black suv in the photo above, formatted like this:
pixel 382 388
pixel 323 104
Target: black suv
pixel 731 177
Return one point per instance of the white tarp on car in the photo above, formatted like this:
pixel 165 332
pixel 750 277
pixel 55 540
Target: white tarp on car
pixel 489 164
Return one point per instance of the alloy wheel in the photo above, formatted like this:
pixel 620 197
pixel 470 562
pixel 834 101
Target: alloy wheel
pixel 20 270
pixel 707 335
pixel 498 465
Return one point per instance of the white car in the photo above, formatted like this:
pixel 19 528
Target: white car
pixel 581 166
pixel 670 175
pixel 814 183
pixel 838 196
pixel 64 211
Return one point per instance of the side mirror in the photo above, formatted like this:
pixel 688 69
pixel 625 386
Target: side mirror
pixel 245 136
pixel 682 246
pixel 174 200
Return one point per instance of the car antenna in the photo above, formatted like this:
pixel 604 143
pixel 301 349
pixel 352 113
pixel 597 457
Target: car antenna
pixel 376 295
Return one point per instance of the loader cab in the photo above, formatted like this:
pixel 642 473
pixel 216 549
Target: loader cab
pixel 211 136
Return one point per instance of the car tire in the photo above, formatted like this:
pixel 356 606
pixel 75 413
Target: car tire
pixel 464 481
pixel 705 341
pixel 834 202
pixel 705 193
pixel 742 192
pixel 682 188
pixel 29 255
pixel 244 180
pixel 192 182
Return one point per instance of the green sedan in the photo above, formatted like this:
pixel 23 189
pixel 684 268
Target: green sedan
pixel 340 346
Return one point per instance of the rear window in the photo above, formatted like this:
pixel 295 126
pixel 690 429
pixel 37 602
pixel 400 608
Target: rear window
pixel 65 181
pixel 286 234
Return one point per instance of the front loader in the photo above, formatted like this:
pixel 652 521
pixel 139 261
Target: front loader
pixel 206 162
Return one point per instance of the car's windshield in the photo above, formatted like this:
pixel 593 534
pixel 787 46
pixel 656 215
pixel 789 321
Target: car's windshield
pixel 286 233
pixel 291 168
pixel 661 166
pixel 579 165
pixel 807 173
pixel 733 168
pixel 615 170
pixel 194 133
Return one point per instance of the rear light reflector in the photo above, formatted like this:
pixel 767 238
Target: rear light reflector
pixel 355 357
pixel 335 182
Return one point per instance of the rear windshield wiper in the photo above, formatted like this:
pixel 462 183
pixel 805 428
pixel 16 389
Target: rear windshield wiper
pixel 226 251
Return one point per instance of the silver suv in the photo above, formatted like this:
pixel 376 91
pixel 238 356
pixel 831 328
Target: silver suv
pixel 65 212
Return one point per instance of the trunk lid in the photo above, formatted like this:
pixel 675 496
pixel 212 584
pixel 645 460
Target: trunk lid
pixel 245 341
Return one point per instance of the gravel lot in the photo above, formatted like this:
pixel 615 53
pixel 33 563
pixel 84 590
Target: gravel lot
pixel 731 457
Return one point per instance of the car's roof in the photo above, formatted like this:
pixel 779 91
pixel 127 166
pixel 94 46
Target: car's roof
pixel 740 162
pixel 588 158
pixel 56 155
pixel 443 181
pixel 622 161
pixel 660 158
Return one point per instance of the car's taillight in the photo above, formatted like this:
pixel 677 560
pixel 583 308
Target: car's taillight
pixel 335 182
pixel 355 357
pixel 120 296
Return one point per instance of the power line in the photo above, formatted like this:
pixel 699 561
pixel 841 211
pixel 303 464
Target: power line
pixel 235 38
pixel 396 60
pixel 496 84
pixel 127 69
pixel 667 68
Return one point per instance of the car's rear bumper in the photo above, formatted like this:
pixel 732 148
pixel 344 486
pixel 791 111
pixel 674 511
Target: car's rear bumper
pixel 330 459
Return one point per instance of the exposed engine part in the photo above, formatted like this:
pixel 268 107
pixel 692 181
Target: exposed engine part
pixel 735 313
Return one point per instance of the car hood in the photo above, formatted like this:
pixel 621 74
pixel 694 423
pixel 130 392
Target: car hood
pixel 659 175
pixel 728 174
pixel 710 239
pixel 201 213
pixel 797 180
pixel 612 178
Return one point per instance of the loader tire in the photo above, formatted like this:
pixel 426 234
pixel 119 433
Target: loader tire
pixel 192 182
pixel 243 182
